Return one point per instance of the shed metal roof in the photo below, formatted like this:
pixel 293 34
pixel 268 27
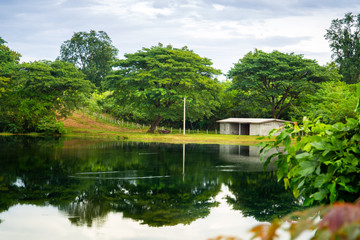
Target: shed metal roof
pixel 250 120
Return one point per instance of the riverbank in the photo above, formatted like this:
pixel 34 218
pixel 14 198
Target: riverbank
pixel 86 126
pixel 83 125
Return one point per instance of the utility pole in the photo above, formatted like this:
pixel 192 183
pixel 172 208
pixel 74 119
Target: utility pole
pixel 184 113
pixel 183 174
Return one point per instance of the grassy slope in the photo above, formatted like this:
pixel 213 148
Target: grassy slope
pixel 83 125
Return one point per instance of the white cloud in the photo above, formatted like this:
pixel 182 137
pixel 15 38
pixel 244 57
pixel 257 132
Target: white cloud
pixel 221 30
pixel 218 7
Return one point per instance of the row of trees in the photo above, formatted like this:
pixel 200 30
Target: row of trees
pixel 149 86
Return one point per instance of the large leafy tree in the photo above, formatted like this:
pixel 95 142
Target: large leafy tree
pixel 268 83
pixel 155 81
pixel 39 93
pixel 344 39
pixel 92 52
pixel 8 60
pixel 333 102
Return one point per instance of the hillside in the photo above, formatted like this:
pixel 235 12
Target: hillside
pixel 83 125
pixel 80 122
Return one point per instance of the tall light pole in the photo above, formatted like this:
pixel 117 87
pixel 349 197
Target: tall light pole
pixel 184 113
pixel 183 161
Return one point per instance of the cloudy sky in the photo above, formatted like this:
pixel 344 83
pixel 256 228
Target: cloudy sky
pixel 222 30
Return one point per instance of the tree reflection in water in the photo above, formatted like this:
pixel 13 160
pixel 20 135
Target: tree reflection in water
pixel 88 179
pixel 254 192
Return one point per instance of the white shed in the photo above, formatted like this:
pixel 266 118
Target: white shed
pixel 249 126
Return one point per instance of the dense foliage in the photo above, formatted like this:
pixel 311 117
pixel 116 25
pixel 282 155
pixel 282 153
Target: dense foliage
pixel 8 60
pixel 39 93
pixel 333 102
pixel 156 80
pixel 324 165
pixel 344 39
pixel 91 52
pixel 271 82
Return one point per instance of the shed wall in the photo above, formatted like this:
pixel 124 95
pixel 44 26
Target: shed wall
pixel 256 129
pixel 229 128
pixel 267 127
pixel 224 128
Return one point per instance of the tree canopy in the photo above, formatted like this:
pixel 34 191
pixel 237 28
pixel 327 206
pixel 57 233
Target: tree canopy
pixel 333 102
pixel 271 82
pixel 344 39
pixel 155 80
pixel 39 93
pixel 91 52
pixel 8 59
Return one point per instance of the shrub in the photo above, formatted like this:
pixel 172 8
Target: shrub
pixel 49 125
pixel 324 165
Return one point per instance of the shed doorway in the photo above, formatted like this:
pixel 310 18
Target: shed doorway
pixel 245 129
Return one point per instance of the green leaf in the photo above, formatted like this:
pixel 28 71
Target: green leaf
pixel 333 193
pixel 357 109
pixel 307 147
pixel 302 155
pixel 319 145
pixel 287 141
pixel 320 195
pixel 319 180
pixel 307 167
pixel 286 183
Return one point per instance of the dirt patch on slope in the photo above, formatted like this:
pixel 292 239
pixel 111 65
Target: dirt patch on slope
pixel 79 121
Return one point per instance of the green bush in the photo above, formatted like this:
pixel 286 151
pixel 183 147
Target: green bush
pixel 324 165
pixel 49 125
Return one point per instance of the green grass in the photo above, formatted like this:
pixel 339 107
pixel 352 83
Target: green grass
pixel 175 137
pixel 133 134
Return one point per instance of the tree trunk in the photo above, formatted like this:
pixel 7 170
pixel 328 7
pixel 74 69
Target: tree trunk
pixel 155 124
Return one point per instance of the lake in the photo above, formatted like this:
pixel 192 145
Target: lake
pixel 81 188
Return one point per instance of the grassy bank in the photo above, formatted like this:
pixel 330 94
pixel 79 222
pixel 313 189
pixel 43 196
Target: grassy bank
pixel 83 125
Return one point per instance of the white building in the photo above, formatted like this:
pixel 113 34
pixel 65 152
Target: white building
pixel 249 126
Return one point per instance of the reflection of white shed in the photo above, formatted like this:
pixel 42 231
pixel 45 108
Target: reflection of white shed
pixel 249 126
pixel 245 158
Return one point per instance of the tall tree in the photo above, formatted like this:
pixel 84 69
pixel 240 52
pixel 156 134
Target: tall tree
pixel 344 39
pixel 270 82
pixel 8 60
pixel 155 80
pixel 40 93
pixel 333 102
pixel 91 52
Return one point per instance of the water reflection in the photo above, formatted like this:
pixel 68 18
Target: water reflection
pixel 154 184
pixel 244 158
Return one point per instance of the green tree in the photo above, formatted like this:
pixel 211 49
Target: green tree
pixel 7 55
pixel 344 40
pixel 40 93
pixel 225 109
pixel 91 52
pixel 155 80
pixel 8 60
pixel 333 102
pixel 268 83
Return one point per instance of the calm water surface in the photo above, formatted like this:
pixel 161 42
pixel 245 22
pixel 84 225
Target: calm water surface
pixel 77 188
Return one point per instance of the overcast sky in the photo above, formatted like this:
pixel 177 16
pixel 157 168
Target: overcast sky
pixel 223 31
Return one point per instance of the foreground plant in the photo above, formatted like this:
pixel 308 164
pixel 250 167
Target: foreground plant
pixel 321 167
